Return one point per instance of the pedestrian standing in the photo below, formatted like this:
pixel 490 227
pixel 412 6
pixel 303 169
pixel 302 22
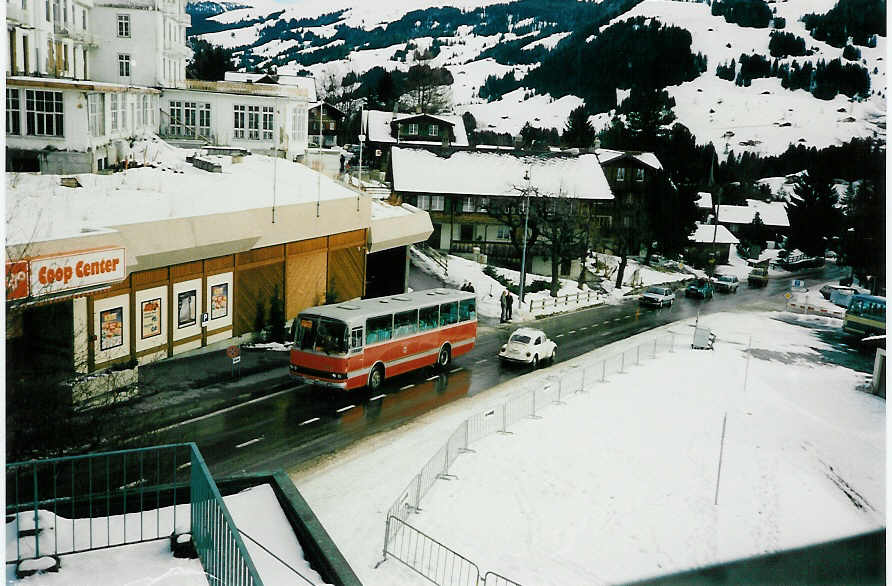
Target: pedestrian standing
pixel 504 304
pixel 509 302
pixel 342 164
pixel 470 287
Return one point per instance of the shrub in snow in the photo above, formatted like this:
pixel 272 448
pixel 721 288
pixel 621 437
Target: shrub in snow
pixel 182 546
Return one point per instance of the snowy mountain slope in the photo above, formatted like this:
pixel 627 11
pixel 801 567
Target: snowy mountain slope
pixel 764 117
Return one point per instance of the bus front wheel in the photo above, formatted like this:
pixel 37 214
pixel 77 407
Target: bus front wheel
pixel 445 358
pixel 376 378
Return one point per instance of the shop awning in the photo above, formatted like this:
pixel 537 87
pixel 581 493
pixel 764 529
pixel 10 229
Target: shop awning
pixel 393 226
pixel 64 296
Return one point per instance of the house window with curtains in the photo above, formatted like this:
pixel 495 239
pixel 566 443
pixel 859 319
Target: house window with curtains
pixel 620 173
pixel 437 203
pixel 267 123
pixel 467 204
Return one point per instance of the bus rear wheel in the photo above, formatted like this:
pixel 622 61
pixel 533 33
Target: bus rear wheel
pixel 444 359
pixel 376 378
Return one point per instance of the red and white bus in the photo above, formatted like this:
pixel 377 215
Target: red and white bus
pixel 357 343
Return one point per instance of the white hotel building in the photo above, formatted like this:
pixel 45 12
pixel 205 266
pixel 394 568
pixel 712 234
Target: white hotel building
pixel 84 78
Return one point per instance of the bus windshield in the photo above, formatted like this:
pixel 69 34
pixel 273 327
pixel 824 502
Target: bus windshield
pixel 321 335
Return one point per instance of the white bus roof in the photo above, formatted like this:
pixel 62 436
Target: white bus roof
pixel 359 310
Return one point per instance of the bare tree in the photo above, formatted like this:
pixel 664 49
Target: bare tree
pixel 427 89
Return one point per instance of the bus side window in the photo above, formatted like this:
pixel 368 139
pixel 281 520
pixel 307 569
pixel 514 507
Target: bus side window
pixel 356 339
pixel 467 309
pixel 378 329
pixel 405 323
pixel 427 318
pixel 448 313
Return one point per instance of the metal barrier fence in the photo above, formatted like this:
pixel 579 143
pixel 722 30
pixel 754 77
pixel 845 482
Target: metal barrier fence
pixel 66 505
pixel 547 390
pixel 429 557
pixel 493 579
pixel 578 297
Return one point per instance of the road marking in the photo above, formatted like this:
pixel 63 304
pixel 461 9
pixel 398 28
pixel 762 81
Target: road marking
pixel 249 442
pixel 221 411
pixel 186 465
pixel 571 332
pixel 405 387
pixel 347 408
pixel 382 395
pixel 604 323
pixel 617 319
pixel 454 370
pixel 310 421
pixel 559 336
pixel 627 317
pixel 481 361
pixel 435 377
pixel 603 333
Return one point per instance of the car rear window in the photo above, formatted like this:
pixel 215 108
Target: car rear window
pixel 522 339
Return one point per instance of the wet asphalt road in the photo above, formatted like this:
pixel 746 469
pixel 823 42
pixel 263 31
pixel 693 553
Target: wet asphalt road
pixel 297 427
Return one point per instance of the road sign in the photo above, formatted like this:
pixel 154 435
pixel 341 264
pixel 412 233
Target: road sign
pixel 788 295
pixel 233 351
pixel 205 318
pixel 361 138
pixel 236 359
pixel 797 285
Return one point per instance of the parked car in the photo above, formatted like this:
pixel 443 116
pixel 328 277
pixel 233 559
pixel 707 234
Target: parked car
pixel 528 346
pixel 758 277
pixel 699 288
pixel 828 290
pixel 657 297
pixel 727 284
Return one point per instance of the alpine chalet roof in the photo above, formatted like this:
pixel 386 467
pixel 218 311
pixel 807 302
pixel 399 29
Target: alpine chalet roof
pixel 645 158
pixel 709 233
pixel 771 214
pixel 497 174
pixel 376 124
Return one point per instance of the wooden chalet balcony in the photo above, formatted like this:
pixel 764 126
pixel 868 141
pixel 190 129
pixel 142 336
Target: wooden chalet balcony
pixel 500 249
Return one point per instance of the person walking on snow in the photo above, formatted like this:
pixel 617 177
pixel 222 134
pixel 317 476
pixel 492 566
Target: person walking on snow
pixel 504 304
pixel 508 303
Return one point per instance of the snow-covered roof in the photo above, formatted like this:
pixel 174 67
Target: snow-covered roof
pixel 301 81
pixel 645 158
pixel 38 208
pixel 376 124
pixel 771 214
pixel 497 174
pixel 709 233
pixel 393 226
pixel 704 200
pixel 314 105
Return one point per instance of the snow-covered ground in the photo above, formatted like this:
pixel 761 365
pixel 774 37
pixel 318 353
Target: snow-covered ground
pixel 622 482
pixel 256 512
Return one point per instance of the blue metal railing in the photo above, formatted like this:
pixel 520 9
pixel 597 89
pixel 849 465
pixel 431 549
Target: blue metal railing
pixel 95 501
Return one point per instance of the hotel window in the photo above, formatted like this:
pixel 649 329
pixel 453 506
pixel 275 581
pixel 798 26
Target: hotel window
pixel 189 118
pixel 467 204
pixel 413 129
pixel 204 120
pixel 639 175
pixel 437 203
pixel 48 17
pixel 84 19
pixel 113 99
pixel 65 57
pixel 254 122
pixel 96 109
pixel 13 112
pixel 433 130
pixel 124 25
pixel 43 113
pixel 124 65
pixel 424 202
pixel 176 118
pixel 267 123
pixel 65 11
pixel 238 124
pixel 620 173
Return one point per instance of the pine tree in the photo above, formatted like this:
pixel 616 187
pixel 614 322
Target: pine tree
pixel 578 132
pixel 814 217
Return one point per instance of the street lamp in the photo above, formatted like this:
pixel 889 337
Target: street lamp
pixel 361 140
pixel 526 219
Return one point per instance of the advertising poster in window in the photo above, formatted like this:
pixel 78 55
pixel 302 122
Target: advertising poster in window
pixel 219 300
pixel 151 318
pixel 111 328
pixel 186 309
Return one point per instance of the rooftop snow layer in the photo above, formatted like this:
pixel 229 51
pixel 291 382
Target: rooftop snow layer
pixel 377 127
pixel 38 208
pixel 645 158
pixel 771 214
pixel 709 233
pixel 497 174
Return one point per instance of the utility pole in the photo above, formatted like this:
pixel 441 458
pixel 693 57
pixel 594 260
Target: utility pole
pixel 526 220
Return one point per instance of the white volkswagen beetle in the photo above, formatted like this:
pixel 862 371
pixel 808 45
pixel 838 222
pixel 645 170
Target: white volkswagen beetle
pixel 528 346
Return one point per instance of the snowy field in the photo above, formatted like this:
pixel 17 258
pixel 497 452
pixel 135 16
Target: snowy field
pixel 622 482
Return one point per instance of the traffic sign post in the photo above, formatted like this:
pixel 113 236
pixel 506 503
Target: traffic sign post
pixel 234 352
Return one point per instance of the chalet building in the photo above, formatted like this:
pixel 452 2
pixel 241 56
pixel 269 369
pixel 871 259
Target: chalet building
pixel 775 223
pixel 629 173
pixel 325 120
pixel 458 188
pixel 386 129
pixel 710 241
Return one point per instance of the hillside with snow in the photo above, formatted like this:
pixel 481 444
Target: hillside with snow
pixel 476 39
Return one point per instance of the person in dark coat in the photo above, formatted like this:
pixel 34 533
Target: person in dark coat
pixel 470 287
pixel 509 302
pixel 504 304
pixel 343 160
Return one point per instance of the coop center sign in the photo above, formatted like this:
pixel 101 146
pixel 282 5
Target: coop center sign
pixel 54 274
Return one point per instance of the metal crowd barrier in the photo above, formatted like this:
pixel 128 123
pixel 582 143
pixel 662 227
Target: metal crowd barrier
pixel 547 390
pixel 429 557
